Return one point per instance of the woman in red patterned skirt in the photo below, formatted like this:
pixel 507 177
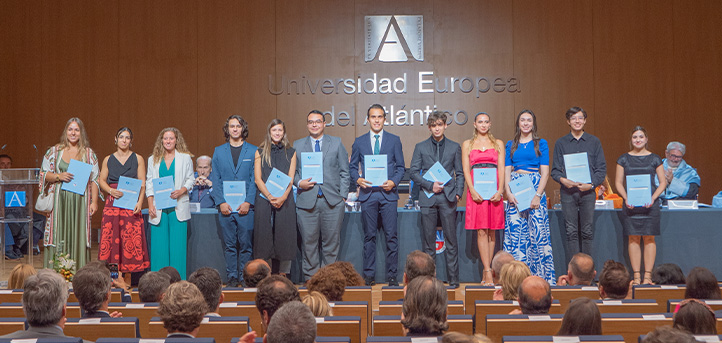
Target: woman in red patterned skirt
pixel 123 236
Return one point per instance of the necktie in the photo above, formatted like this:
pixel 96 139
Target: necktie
pixel 317 148
pixel 377 149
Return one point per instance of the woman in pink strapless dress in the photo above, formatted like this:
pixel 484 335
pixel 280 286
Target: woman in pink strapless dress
pixel 484 215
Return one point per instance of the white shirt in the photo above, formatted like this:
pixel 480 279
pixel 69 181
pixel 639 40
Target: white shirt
pixel 373 139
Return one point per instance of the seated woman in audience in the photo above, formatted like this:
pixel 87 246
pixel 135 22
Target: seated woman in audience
pixel 512 275
pixel 582 318
pixel 318 304
pixel 702 284
pixel 182 310
pixel 353 278
pixel 423 313
pixel 458 337
pixel 328 281
pixel 19 274
pixel 667 274
pixel 695 317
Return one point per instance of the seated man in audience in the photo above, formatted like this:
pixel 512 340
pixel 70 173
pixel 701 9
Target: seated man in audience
pixel 255 271
pixel 172 273
pixel 208 281
pixel 418 264
pixel 272 293
pixel 92 287
pixel 292 323
pixel 580 273
pixel 424 310
pixel 614 282
pixel 500 259
pixel 182 309
pixel 682 180
pixel 666 334
pixel 535 296
pixel 328 281
pixel 201 191
pixel 151 286
pixel 44 299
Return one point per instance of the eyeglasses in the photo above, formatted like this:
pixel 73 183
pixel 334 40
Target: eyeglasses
pixel 311 122
pixel 676 157
pixel 576 119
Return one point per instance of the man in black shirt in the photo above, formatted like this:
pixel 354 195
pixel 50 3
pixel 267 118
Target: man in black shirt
pixel 578 198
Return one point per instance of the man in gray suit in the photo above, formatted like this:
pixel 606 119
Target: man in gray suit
pixel 440 203
pixel 321 207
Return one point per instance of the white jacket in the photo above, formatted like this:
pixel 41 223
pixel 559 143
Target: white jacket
pixel 183 178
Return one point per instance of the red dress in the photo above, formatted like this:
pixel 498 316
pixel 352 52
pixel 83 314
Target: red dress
pixel 487 214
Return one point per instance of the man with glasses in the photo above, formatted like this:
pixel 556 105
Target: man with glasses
pixel 578 198
pixel 320 206
pixel 682 180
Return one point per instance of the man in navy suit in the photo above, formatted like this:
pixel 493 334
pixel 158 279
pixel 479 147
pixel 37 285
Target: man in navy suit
pixel 379 203
pixel 202 187
pixel 233 161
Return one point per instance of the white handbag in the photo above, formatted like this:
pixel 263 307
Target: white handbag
pixel 45 200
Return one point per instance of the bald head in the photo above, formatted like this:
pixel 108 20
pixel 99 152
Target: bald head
pixel 500 259
pixel 535 296
pixel 255 271
pixel 581 270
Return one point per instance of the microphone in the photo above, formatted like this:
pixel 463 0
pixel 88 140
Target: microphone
pixel 36 156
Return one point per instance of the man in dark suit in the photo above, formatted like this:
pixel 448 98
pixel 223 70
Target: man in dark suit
pixel 182 310
pixel 233 161
pixel 441 204
pixel 92 286
pixel 379 203
pixel 321 207
pixel 202 186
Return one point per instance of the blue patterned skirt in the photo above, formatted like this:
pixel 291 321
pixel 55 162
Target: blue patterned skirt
pixel 527 235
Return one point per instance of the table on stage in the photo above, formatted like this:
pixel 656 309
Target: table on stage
pixel 689 238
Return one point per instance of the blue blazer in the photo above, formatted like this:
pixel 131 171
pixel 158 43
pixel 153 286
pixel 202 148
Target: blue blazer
pixel 390 146
pixel 224 170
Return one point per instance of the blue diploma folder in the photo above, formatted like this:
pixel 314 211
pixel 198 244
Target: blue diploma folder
pixel 312 166
pixel 524 191
pixel 131 189
pixel 277 183
pixel 434 174
pixel 375 169
pixel 81 175
pixel 577 167
pixel 162 187
pixel 639 191
pixel 485 182
pixel 235 193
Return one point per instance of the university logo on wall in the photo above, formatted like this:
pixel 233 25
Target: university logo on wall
pixel 394 38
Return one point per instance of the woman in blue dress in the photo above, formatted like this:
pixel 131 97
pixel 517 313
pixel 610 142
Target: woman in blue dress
pixel 527 232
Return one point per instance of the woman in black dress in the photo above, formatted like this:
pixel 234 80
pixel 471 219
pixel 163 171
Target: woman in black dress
pixel 274 226
pixel 641 222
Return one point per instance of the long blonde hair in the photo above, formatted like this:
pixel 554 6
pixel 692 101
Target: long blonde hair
pixel 488 134
pixel 19 274
pixel 180 144
pixel 266 146
pixel 83 142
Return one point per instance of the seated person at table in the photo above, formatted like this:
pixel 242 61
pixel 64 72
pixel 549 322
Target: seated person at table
pixel 512 275
pixel 614 282
pixel 423 313
pixel 182 309
pixel 92 287
pixel 272 293
pixel 682 180
pixel 535 296
pixel 292 323
pixel 418 264
pixel 581 318
pixel 500 259
pixel 208 281
pixel 353 278
pixel 202 186
pixel 667 274
pixel 695 317
pixel 702 284
pixel 172 273
pixel 151 286
pixel 666 334
pixel 255 271
pixel 44 298
pixel 318 304
pixel 328 281
pixel 580 273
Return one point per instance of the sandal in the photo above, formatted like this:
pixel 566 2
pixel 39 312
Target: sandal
pixel 637 278
pixel 648 279
pixel 488 283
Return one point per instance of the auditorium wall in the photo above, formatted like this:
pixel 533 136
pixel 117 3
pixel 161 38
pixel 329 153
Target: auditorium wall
pixel 189 64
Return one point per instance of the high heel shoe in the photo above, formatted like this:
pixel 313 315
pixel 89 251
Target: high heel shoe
pixel 637 278
pixel 490 280
pixel 648 279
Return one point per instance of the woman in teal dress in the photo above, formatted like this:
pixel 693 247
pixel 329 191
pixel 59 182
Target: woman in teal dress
pixel 67 230
pixel 168 226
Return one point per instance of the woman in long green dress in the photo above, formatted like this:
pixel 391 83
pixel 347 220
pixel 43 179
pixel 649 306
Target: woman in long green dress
pixel 67 230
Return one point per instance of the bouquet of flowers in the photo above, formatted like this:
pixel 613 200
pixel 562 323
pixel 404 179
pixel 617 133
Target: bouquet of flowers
pixel 64 265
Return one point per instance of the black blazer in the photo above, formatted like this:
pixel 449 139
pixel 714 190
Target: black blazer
pixel 425 156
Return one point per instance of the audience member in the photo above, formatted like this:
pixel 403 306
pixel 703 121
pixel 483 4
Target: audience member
pixel 318 304
pixel 614 282
pixel 208 281
pixel 92 287
pixel 418 264
pixel 702 284
pixel 458 337
pixel 580 272
pixel 666 334
pixel 45 295
pixel 292 323
pixel 182 309
pixel 18 275
pixel 535 296
pixel 424 310
pixel 512 275
pixel 254 272
pixel 172 273
pixel 272 293
pixel 500 259
pixel 695 317
pixel 581 318
pixel 152 285
pixel 668 274
pixel 353 278
pixel 328 281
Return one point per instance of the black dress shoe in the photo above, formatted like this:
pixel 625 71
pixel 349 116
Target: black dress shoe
pixel 454 284
pixel 393 282
pixel 233 282
pixel 370 281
